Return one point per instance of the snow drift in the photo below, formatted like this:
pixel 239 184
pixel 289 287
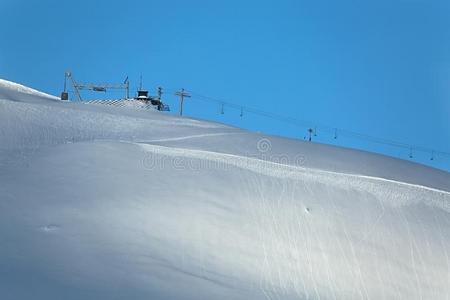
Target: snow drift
pixel 101 202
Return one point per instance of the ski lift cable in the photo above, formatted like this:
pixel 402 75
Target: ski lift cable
pixel 307 124
pixel 328 128
pixel 342 132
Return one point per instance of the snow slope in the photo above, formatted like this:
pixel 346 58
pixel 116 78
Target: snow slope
pixel 18 92
pixel 101 202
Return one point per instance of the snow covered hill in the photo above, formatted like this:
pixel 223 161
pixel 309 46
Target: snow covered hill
pixel 104 202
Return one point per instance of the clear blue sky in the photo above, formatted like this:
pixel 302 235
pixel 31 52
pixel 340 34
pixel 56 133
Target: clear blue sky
pixel 377 67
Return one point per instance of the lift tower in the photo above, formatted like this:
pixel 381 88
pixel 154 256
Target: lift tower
pixel 94 87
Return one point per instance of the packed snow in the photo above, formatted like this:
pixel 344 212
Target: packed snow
pixel 118 202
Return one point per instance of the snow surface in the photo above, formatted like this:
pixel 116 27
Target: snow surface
pixel 105 202
pixel 18 92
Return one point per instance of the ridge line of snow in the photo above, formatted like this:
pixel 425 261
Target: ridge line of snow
pixel 251 162
pixel 24 89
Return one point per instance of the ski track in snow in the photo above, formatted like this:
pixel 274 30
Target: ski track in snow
pixel 187 137
pixel 384 190
pixel 403 194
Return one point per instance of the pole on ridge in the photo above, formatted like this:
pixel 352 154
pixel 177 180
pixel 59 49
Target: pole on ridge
pixel 182 94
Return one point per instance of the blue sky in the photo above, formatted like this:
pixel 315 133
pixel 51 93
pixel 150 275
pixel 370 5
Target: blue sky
pixel 377 67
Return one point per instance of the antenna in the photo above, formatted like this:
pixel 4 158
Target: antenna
pixel 140 83
pixel 222 109
pixel 126 82
pixel 66 74
pixel 159 92
pixel 242 112
pixel 335 133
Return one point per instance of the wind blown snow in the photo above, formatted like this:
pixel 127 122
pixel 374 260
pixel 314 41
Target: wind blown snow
pixel 115 202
